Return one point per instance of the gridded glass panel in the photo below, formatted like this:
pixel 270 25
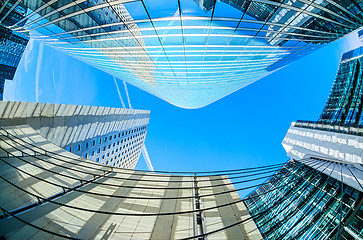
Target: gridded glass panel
pixel 299 202
pixel 344 106
pixel 188 52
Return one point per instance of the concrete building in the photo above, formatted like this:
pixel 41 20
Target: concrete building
pixel 47 192
pixel 111 136
pixel 182 54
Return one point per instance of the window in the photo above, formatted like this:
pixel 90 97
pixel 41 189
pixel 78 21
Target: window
pixel 99 141
pixel 99 150
pixel 85 155
pixel 92 153
pixel 86 145
pixel 78 147
pixel 105 139
pixel 97 159
pixel 110 137
pixel 69 149
pixel 93 142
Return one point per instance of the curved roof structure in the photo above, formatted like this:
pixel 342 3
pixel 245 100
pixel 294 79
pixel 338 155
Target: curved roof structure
pixel 189 53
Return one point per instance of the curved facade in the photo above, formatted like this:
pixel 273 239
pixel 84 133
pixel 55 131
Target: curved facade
pixel 47 192
pixel 189 53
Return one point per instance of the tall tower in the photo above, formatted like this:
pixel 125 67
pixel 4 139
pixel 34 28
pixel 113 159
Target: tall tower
pixel 111 136
pixel 318 194
pixel 12 44
pixel 345 103
pixel 186 53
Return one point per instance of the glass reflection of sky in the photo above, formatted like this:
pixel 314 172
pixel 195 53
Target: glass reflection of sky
pixel 174 49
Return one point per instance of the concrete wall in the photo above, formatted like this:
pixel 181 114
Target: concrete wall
pixel 109 203
pixel 343 150
pixel 69 125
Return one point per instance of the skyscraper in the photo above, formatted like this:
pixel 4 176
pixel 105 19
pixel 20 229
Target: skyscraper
pixel 345 103
pixel 12 44
pixel 47 192
pixel 186 54
pixel 301 202
pixel 360 35
pixel 318 194
pixel 111 136
pixel 2 83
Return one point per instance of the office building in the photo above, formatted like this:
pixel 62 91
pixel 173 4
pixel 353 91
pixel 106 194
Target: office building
pixel 303 199
pixel 2 83
pixel 12 44
pixel 189 53
pixel 111 136
pixel 360 35
pixel 318 194
pixel 304 202
pixel 48 192
pixel 345 103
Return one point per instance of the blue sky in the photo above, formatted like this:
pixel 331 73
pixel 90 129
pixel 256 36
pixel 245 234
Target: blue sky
pixel 244 129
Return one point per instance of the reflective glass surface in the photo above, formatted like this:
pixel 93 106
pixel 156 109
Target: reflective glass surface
pixel 345 103
pixel 299 202
pixel 189 53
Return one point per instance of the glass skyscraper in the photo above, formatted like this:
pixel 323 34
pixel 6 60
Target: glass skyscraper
pixel 318 194
pixel 300 202
pixel 345 103
pixel 189 53
pixel 12 44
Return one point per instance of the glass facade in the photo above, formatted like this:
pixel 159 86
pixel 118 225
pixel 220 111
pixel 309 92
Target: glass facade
pixel 189 53
pixel 300 202
pixel 2 82
pixel 12 44
pixel 344 106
